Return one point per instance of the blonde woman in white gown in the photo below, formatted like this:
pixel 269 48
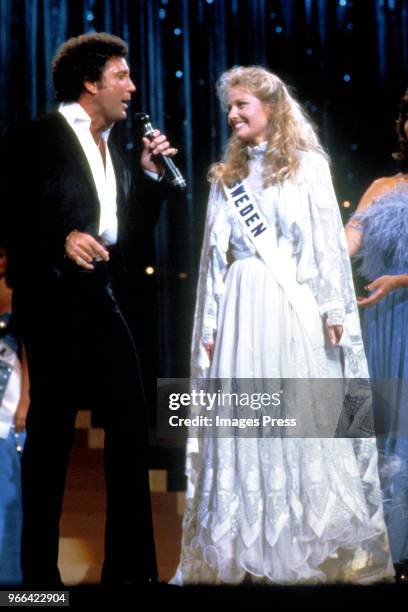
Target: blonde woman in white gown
pixel 278 510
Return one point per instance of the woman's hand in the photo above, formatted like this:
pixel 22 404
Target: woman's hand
pixel 20 415
pixel 209 342
pixel 335 333
pixel 209 348
pixel 24 403
pixel 381 287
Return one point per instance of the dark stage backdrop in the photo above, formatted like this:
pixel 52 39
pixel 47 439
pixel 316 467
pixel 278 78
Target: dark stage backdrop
pixel 347 61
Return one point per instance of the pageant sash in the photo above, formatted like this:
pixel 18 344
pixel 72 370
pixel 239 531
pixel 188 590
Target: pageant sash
pixel 278 261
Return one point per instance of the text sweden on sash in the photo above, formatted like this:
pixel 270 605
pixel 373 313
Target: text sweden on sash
pixel 240 199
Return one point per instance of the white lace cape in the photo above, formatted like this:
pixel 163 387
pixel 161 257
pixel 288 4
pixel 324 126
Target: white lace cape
pixel 309 211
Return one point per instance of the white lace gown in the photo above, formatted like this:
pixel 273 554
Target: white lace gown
pixel 279 510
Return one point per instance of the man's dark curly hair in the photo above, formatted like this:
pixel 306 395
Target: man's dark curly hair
pixel 83 58
pixel 401 155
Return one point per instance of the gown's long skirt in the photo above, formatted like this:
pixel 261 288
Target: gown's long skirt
pixel 278 510
pixel 10 509
pixel 385 333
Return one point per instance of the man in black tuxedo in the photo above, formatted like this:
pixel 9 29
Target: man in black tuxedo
pixel 71 212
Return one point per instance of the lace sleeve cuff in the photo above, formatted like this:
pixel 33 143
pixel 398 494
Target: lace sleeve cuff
pixel 334 317
pixel 208 335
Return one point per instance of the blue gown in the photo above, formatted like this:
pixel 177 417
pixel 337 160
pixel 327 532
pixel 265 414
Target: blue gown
pixel 10 487
pixel 385 334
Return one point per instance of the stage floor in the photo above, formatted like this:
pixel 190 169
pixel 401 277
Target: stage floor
pixel 81 550
pixel 83 518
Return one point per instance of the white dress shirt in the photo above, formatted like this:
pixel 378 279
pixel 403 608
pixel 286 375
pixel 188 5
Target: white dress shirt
pixel 103 175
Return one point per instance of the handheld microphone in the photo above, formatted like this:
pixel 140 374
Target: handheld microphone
pixel 173 173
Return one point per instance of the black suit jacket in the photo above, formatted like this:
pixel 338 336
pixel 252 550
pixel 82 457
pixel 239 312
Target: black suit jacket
pixel 48 191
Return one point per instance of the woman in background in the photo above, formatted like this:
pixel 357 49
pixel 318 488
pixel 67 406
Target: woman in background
pixel 378 233
pixel 14 401
pixel 275 300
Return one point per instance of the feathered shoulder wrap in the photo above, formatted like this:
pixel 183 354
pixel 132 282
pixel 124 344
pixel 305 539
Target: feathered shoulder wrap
pixel 385 234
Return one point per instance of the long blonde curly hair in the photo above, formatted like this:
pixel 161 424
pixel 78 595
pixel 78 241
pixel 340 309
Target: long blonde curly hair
pixel 289 129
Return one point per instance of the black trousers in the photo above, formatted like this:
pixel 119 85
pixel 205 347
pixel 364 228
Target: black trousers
pixel 81 355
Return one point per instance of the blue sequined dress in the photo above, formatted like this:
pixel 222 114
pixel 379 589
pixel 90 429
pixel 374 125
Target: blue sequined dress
pixel 385 334
pixel 10 452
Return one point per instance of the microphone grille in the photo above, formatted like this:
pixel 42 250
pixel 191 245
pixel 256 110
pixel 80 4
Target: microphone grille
pixel 142 118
